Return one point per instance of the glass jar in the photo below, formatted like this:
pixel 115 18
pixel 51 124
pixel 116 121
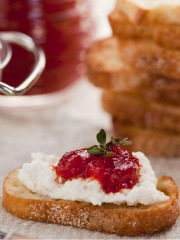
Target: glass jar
pixel 63 28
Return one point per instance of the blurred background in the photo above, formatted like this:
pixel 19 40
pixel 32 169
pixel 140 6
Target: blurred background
pixel 62 111
pixel 63 29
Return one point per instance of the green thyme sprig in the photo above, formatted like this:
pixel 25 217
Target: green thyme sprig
pixel 102 148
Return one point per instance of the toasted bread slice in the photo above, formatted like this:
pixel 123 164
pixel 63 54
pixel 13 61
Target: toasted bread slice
pixel 147 56
pixel 167 35
pixel 162 13
pixel 107 70
pixel 153 142
pixel 110 218
pixel 143 113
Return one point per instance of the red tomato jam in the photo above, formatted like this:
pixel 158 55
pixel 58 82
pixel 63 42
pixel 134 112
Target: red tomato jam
pixel 113 173
pixel 61 27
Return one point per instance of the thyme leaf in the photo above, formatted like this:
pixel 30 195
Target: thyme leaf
pixel 103 148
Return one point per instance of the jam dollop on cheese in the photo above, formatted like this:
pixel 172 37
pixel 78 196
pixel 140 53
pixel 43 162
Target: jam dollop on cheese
pixel 114 173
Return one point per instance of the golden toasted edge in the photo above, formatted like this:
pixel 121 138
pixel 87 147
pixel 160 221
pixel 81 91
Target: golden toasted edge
pixel 121 220
pixel 166 35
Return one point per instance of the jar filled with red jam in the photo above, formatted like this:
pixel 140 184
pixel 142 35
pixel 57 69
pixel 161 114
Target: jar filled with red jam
pixel 62 28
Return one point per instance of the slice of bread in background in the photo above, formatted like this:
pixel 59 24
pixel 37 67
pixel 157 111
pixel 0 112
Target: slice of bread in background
pixel 137 111
pixel 167 35
pixel 147 56
pixel 164 97
pixel 153 95
pixel 110 218
pixel 106 69
pixel 153 142
pixel 162 14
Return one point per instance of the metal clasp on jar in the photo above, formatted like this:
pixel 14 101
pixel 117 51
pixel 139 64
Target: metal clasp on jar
pixel 27 43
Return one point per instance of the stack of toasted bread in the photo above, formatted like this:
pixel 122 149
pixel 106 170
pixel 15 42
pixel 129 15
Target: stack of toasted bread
pixel 139 70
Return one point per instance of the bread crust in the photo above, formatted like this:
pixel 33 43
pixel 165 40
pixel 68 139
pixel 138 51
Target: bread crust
pixel 139 112
pixel 105 69
pixel 164 34
pixel 109 218
pixel 154 143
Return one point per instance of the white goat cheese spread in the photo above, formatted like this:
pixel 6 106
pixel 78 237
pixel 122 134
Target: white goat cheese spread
pixel 39 177
pixel 152 4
